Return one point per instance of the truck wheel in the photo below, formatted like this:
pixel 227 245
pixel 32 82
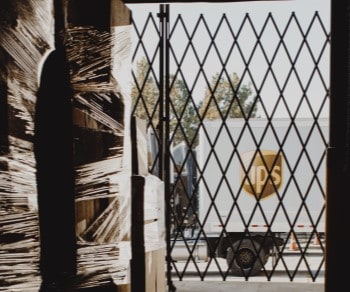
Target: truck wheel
pixel 245 262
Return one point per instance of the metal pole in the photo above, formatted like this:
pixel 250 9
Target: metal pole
pixel 164 108
pixel 167 153
pixel 161 92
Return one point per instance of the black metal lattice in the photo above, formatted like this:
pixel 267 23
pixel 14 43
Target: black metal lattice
pixel 199 145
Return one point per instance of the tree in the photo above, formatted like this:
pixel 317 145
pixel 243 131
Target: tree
pixel 226 98
pixel 223 99
pixel 145 93
pixel 183 117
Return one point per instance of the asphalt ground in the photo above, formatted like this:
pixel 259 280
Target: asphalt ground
pixel 279 282
pixel 235 286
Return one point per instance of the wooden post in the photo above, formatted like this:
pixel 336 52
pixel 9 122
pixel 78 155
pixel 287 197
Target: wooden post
pixel 138 271
pixel 338 159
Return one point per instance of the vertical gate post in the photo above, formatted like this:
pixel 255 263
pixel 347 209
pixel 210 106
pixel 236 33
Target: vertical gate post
pixel 338 200
pixel 164 108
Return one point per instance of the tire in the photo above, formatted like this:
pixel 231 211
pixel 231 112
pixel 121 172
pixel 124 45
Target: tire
pixel 246 263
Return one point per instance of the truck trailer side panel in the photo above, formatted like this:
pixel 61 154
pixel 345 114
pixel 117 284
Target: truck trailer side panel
pixel 262 175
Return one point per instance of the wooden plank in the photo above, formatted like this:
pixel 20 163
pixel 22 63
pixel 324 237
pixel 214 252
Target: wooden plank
pixel 95 13
pixel 120 13
pixel 155 271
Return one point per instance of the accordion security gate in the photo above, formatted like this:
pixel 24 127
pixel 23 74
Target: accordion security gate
pixel 238 129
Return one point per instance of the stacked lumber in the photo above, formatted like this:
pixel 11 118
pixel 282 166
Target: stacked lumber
pixel 19 251
pixel 148 232
pixel 82 127
pixel 25 39
pixel 102 264
pixel 96 52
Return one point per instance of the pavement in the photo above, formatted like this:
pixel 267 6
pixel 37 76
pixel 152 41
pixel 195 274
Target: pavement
pixel 216 286
pixel 280 282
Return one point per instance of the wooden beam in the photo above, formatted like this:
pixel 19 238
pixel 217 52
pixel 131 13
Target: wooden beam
pixel 90 13
pixel 137 266
pixel 338 200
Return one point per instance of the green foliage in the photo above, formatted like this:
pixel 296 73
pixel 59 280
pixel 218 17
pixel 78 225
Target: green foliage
pixel 183 117
pixel 145 93
pixel 225 98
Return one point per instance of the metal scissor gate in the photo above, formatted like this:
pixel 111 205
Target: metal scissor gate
pixel 238 124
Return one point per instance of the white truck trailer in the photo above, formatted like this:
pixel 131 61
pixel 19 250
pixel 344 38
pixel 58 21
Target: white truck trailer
pixel 259 183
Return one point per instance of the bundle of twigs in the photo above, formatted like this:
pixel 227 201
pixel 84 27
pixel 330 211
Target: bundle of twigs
pixel 99 180
pixel 102 264
pixel 19 251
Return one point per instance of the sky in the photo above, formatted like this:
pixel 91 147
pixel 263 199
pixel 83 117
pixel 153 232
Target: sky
pixel 302 7
pixel 258 12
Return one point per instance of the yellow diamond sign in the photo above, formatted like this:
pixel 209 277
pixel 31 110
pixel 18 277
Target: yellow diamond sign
pixel 261 172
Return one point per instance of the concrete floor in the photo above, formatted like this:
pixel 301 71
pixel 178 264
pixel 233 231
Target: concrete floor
pixel 213 286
